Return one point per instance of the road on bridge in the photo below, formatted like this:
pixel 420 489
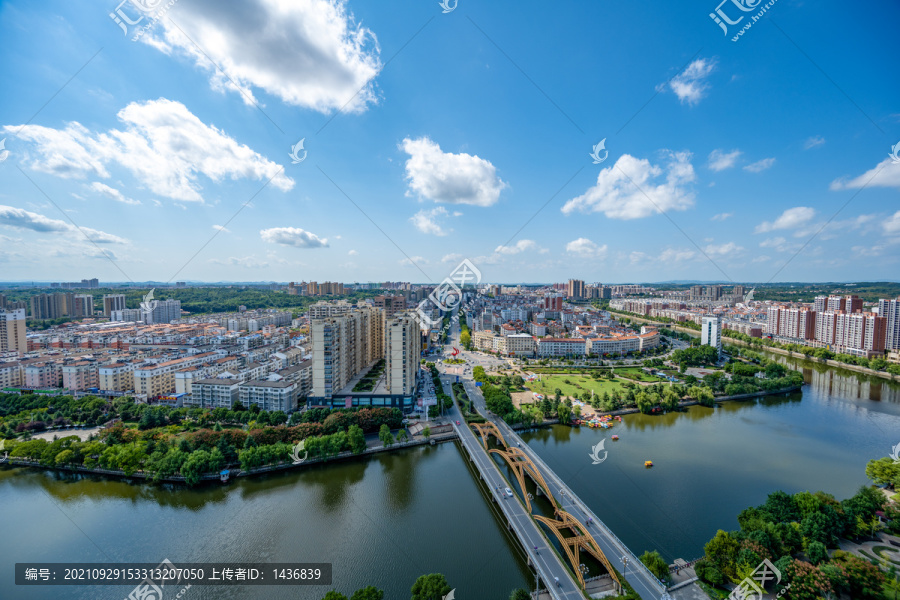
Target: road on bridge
pixel 643 582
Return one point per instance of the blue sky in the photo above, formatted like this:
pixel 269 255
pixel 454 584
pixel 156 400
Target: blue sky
pixel 430 137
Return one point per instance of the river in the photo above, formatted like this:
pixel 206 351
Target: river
pixel 386 519
pixel 382 520
pixel 711 463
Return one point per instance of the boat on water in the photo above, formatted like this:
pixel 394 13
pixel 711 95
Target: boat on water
pixel 615 438
pixel 648 463
pixel 224 475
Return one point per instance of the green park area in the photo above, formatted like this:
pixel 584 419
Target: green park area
pixel 573 385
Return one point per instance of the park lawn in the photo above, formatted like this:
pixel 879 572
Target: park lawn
pixel 639 375
pixel 549 384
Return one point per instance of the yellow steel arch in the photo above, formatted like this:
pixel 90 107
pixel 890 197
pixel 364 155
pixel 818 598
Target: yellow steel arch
pixel 520 463
pixel 581 540
pixel 489 429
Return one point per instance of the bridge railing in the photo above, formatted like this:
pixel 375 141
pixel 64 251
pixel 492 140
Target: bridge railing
pixel 617 542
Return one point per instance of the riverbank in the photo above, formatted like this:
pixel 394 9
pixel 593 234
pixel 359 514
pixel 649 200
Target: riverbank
pixel 729 340
pixel 208 477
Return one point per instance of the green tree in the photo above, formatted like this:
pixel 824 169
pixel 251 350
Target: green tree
pixel 356 438
pixel 519 594
pixel 368 593
pixel 657 564
pixel 433 586
pixel 722 551
pixel 384 434
pixel 816 553
pixel 564 412
pixel 334 595
pixel 884 471
pixel 426 433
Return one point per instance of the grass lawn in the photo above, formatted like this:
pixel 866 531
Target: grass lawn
pixel 637 374
pixel 549 384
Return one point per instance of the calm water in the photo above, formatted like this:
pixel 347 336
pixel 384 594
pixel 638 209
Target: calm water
pixel 381 521
pixel 712 463
pixel 385 520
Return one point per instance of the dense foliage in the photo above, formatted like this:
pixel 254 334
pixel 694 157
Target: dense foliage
pixel 804 525
pixel 162 442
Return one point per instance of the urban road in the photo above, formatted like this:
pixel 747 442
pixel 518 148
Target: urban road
pixel 549 564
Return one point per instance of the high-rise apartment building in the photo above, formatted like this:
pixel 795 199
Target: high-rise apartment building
pixel 890 311
pixel 113 302
pixel 575 288
pixel 391 305
pixel 84 305
pixel 165 311
pixel 343 346
pixel 12 331
pixel 403 346
pixel 711 334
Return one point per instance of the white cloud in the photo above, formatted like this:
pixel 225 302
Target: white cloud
pixel 772 242
pixel 585 248
pixel 690 85
pixel 163 145
pixel 23 219
pixel 813 142
pixel 310 53
pixel 450 178
pixel 426 221
pixel 761 258
pixel 760 165
pixel 618 198
pixel 353 253
pixel 292 236
pixel 719 160
pixel 413 261
pixel 884 174
pixel 721 216
pixel 727 249
pixel 676 255
pixel 221 228
pixel 105 254
pixel 789 219
pixel 113 193
pixel 452 258
pixel 892 225
pixel 520 246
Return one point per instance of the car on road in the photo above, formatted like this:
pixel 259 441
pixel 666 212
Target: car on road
pixel 457 422
pixel 509 492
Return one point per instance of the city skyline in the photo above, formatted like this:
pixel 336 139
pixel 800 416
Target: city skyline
pixel 428 138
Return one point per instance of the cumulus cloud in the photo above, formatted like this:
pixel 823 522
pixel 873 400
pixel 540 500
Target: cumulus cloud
pixel 221 228
pixel 353 253
pixel 676 255
pixel 310 53
pixel 892 225
pixel 24 219
pixel 813 142
pixel 450 178
pixel 727 249
pixel 413 261
pixel 163 145
pixel 113 193
pixel 760 165
pixel 884 174
pixel 690 85
pixel 620 190
pixel 520 246
pixel 789 219
pixel 293 236
pixel 719 160
pixel 585 248
pixel 92 252
pixel 721 216
pixel 426 221
pixel 452 258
